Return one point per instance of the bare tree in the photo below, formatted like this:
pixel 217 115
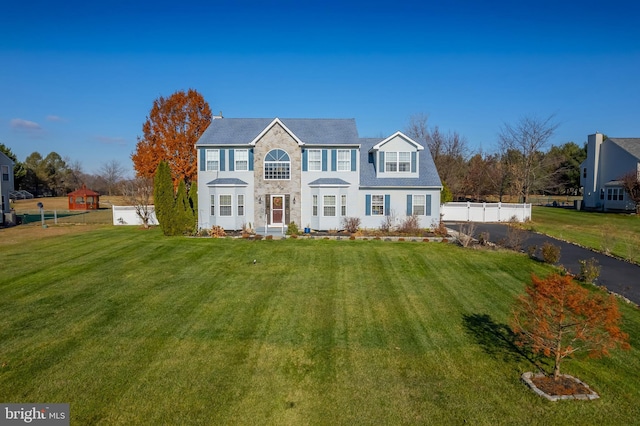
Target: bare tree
pixel 528 138
pixel 448 150
pixel 138 192
pixel 112 172
pixel 631 184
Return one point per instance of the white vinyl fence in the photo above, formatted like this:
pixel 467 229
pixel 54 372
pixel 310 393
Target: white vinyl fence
pixel 485 212
pixel 126 215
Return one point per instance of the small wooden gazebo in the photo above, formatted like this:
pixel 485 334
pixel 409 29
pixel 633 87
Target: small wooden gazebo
pixel 84 199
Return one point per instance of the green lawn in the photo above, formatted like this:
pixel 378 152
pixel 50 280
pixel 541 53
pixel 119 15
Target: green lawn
pixel 618 234
pixel 130 327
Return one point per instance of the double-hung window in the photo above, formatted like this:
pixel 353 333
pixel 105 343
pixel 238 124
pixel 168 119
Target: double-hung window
pixel 329 205
pixel 418 204
pixel 343 205
pixel 241 160
pixel 397 161
pixel 240 204
pixel 5 173
pixel 213 205
pixel 315 206
pixel 225 205
pixel 377 205
pixel 344 160
pixel 314 160
pixel 213 160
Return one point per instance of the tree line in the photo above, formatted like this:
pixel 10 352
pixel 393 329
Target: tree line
pixel 522 164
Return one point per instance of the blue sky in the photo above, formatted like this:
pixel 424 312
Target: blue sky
pixel 79 78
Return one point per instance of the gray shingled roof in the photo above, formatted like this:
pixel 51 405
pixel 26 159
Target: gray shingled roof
pixel 428 174
pixel 631 145
pixel 328 181
pixel 313 131
pixel 227 182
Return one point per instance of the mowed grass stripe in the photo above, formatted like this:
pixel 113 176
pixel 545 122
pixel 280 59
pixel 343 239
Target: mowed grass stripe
pixel 183 330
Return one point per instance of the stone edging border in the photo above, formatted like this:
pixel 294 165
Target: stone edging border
pixel 526 377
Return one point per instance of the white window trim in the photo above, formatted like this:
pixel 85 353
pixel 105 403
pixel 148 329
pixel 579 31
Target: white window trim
pixel 380 205
pixel 314 206
pixel 216 158
pixel 313 162
pixel 396 162
pixel 326 205
pixel 343 205
pixel 286 163
pixel 240 204
pixel 423 204
pixel 344 165
pixel 213 205
pixel 229 205
pixel 244 160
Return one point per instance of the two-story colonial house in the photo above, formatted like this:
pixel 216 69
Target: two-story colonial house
pixel 6 184
pixel 314 172
pixel 607 162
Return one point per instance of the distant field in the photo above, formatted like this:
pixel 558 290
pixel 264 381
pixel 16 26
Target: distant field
pixel 131 327
pixel 618 234
pixel 56 210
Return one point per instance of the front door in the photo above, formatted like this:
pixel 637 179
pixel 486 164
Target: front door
pixel 277 209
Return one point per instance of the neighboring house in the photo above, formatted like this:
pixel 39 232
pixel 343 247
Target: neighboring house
pixel 313 172
pixel 6 184
pixel 607 161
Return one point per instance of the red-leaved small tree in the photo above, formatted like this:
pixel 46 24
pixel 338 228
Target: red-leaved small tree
pixel 557 318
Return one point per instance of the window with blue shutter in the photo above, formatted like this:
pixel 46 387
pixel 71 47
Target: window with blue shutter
pixel 367 202
pixel 324 160
pixel 334 160
pixel 381 168
pixel 231 160
pixel 413 161
pixel 428 205
pixel 304 160
pixel 354 153
pixel 222 160
pixel 203 159
pixel 251 160
pixel 409 205
pixel 387 205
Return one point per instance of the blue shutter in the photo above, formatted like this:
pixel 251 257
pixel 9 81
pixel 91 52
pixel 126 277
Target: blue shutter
pixel 354 154
pixel 428 209
pixel 203 160
pixel 232 165
pixel 334 160
pixel 305 157
pixel 387 205
pixel 222 159
pixel 381 167
pixel 409 204
pixel 413 162
pixel 251 160
pixel 367 207
pixel 324 160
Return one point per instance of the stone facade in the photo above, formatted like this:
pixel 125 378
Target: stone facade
pixel 277 138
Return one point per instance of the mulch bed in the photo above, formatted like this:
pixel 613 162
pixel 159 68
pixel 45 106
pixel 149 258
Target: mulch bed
pixel 561 386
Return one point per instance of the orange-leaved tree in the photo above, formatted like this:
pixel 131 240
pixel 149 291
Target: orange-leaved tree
pixel 557 318
pixel 170 133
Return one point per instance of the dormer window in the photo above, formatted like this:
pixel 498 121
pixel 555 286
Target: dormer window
pixel 397 161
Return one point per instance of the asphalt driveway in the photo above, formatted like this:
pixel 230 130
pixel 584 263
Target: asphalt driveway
pixel 618 276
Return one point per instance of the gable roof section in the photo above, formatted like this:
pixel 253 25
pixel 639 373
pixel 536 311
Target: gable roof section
pixel 403 136
pixel 427 173
pixel 631 145
pixel 311 131
pixel 5 159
